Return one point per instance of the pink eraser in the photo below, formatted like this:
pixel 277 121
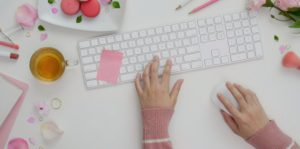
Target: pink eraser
pixel 70 7
pixel 90 8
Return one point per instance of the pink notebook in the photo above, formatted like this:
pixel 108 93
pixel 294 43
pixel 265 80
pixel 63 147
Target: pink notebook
pixel 10 119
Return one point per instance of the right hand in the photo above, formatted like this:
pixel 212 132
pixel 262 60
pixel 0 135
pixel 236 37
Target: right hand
pixel 249 118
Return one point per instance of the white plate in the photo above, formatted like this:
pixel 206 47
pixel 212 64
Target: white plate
pixel 109 19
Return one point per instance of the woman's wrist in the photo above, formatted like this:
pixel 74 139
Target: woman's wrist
pixel 156 122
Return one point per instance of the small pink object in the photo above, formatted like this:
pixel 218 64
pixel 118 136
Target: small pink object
pixel 43 36
pixel 10 45
pixel 26 16
pixel 110 64
pixel 18 143
pixel 210 2
pixel 54 10
pixel 291 60
pixel 31 120
pixel 42 108
pixel 283 48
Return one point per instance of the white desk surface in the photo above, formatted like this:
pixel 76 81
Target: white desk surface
pixel 110 118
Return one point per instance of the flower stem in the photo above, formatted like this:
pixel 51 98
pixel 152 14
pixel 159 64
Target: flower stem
pixel 285 13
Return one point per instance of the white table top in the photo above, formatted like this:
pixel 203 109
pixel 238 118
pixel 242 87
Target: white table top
pixel 109 118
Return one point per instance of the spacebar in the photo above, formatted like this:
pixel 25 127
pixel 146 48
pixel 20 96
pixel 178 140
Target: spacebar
pixel 128 77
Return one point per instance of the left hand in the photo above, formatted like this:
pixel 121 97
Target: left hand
pixel 154 91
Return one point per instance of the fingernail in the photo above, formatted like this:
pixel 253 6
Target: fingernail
pixel 169 62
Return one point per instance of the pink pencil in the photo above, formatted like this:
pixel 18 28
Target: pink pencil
pixel 10 45
pixel 203 6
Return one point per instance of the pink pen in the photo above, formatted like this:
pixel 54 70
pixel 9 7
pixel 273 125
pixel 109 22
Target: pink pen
pixel 10 45
pixel 203 6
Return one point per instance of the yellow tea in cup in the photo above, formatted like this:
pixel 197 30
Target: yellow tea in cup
pixel 47 64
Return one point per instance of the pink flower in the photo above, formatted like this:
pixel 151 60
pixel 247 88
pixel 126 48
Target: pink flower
pixel 42 108
pixel 286 4
pixel 254 5
pixel 26 16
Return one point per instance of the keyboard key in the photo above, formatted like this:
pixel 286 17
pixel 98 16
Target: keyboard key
pixel 258 49
pixel 251 54
pixel 143 33
pixel 185 66
pixel 227 18
pixel 208 62
pixel 197 64
pixel 130 68
pixel 94 42
pixel 87 60
pixel 256 37
pixel 126 36
pixel 92 83
pixel 91 67
pixel 211 29
pixel 235 16
pixel 192 24
pixel 238 57
pixel 141 58
pixel 224 60
pixel 125 61
pixel 192 57
pixel 91 75
pixel 129 52
pixel 173 52
pixel 165 54
pixel 217 61
pixel 133 60
pixel 137 51
pixel 218 20
pixel 175 68
pixel 134 34
pixel 215 53
pixel 84 52
pixel 233 49
pixel 192 49
pixel 84 44
pixel 92 51
pixel 151 32
pixel 128 77
pixel 167 29
pixel 241 48
pixel 183 26
pixel 230 34
pixel 201 23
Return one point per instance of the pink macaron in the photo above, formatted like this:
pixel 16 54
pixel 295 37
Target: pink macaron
pixel 70 7
pixel 90 8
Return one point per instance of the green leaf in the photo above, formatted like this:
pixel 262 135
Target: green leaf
pixel 268 3
pixel 116 4
pixel 296 24
pixel 79 19
pixel 51 1
pixel 295 9
pixel 41 28
pixel 276 38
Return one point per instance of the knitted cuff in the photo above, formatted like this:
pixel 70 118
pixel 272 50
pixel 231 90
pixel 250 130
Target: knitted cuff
pixel 156 123
pixel 270 137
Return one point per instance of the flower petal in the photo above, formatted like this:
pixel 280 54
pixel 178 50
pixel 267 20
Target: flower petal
pixel 26 16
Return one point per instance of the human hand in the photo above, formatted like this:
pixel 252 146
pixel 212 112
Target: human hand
pixel 154 91
pixel 249 118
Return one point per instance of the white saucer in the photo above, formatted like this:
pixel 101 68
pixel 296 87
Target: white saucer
pixel 109 19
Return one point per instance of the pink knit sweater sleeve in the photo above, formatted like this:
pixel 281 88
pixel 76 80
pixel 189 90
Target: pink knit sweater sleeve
pixel 271 137
pixel 155 128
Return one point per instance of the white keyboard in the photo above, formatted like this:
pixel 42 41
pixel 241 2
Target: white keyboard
pixel 191 45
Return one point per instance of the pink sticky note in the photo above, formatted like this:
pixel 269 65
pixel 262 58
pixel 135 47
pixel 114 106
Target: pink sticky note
pixel 109 68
